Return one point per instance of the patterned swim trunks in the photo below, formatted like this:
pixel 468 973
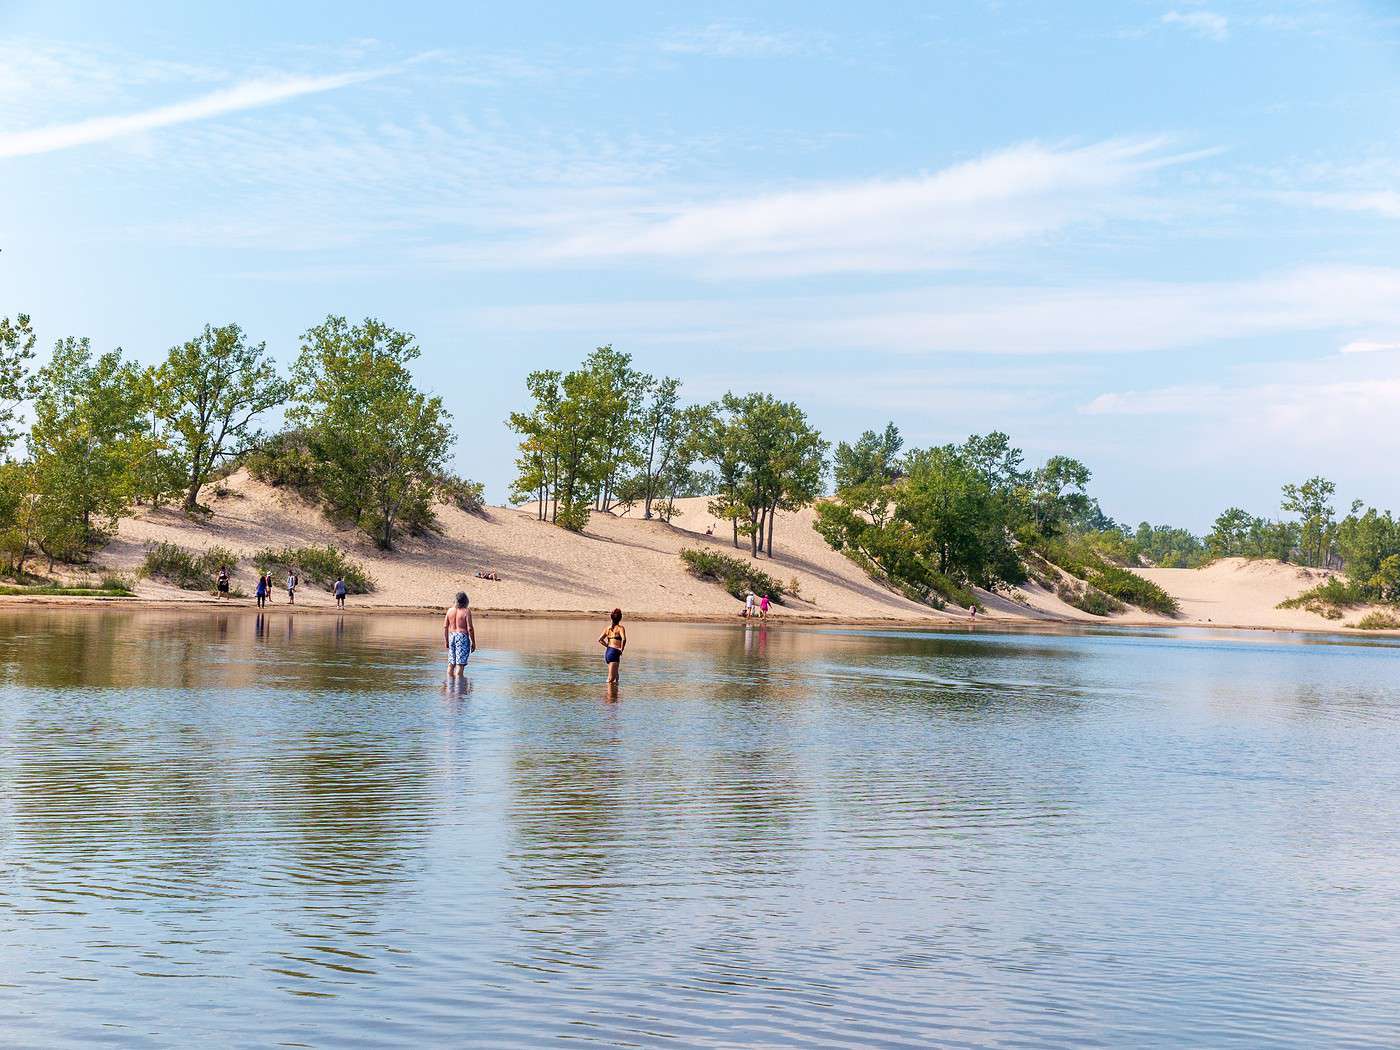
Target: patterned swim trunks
pixel 459 648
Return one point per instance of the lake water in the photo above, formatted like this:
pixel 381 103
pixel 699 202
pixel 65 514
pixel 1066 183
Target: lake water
pixel 288 832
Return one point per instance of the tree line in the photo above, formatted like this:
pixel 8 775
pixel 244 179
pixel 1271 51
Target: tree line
pixel 934 520
pixel 606 435
pixel 105 433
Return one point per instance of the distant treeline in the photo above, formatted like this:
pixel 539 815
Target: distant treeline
pixel 106 433
pixel 1365 542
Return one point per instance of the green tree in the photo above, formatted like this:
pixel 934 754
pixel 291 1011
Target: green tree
pixel 663 434
pixel 781 462
pixel 1057 494
pixel 537 465
pixel 998 461
pixel 1311 501
pixel 208 392
pixel 613 393
pixel 1364 541
pixel 378 442
pixel 957 516
pixel 1230 533
pixel 16 385
pixel 19 514
pixel 88 418
pixel 873 460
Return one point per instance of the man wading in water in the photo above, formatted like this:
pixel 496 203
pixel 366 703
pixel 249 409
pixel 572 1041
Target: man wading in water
pixel 458 635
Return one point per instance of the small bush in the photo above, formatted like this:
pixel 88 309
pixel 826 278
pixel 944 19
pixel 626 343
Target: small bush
pixel 1378 621
pixel 1333 591
pixel 319 565
pixel 187 569
pixel 734 575
pixel 1134 589
pixel 55 590
pixel 1078 557
pixel 794 587
pixel 469 496
pixel 1090 600
pixel 573 517
pixel 285 460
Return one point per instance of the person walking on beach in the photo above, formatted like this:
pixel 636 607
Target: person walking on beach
pixel 262 590
pixel 614 641
pixel 749 600
pixel 972 613
pixel 340 592
pixel 292 580
pixel 221 584
pixel 763 604
pixel 458 635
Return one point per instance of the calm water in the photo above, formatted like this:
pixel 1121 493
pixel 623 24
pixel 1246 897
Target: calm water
pixel 290 833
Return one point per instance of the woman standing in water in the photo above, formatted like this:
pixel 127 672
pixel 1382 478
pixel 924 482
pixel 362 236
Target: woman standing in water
pixel 613 641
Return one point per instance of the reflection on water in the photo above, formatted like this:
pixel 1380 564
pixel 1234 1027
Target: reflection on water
pixel 267 829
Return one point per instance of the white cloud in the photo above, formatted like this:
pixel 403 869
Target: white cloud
pixel 1206 24
pixel 248 95
pixel 727 40
pixel 1117 317
pixel 1368 346
pixel 1327 414
pixel 933 221
pixel 1385 203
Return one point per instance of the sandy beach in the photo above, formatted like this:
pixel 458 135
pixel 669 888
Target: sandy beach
pixel 622 560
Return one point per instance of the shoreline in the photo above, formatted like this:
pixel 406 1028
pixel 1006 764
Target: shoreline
pixel 934 620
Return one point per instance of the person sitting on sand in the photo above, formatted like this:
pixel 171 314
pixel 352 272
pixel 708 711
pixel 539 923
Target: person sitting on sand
pixel 340 591
pixel 614 641
pixel 458 635
pixel 709 530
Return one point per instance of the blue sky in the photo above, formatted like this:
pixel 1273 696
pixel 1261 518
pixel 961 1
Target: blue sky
pixel 1161 237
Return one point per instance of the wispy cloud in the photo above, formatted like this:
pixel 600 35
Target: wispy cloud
pixel 248 95
pixel 729 40
pixel 1117 317
pixel 1207 24
pixel 933 221
pixel 1326 413
pixel 1368 346
pixel 1385 203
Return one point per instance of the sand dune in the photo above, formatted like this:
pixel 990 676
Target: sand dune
pixel 1243 592
pixel 622 560
pixel 617 561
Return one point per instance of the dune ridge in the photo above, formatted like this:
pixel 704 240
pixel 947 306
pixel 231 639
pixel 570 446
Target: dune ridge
pixel 622 560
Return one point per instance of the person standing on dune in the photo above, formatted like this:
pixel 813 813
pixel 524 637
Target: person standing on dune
pixel 458 635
